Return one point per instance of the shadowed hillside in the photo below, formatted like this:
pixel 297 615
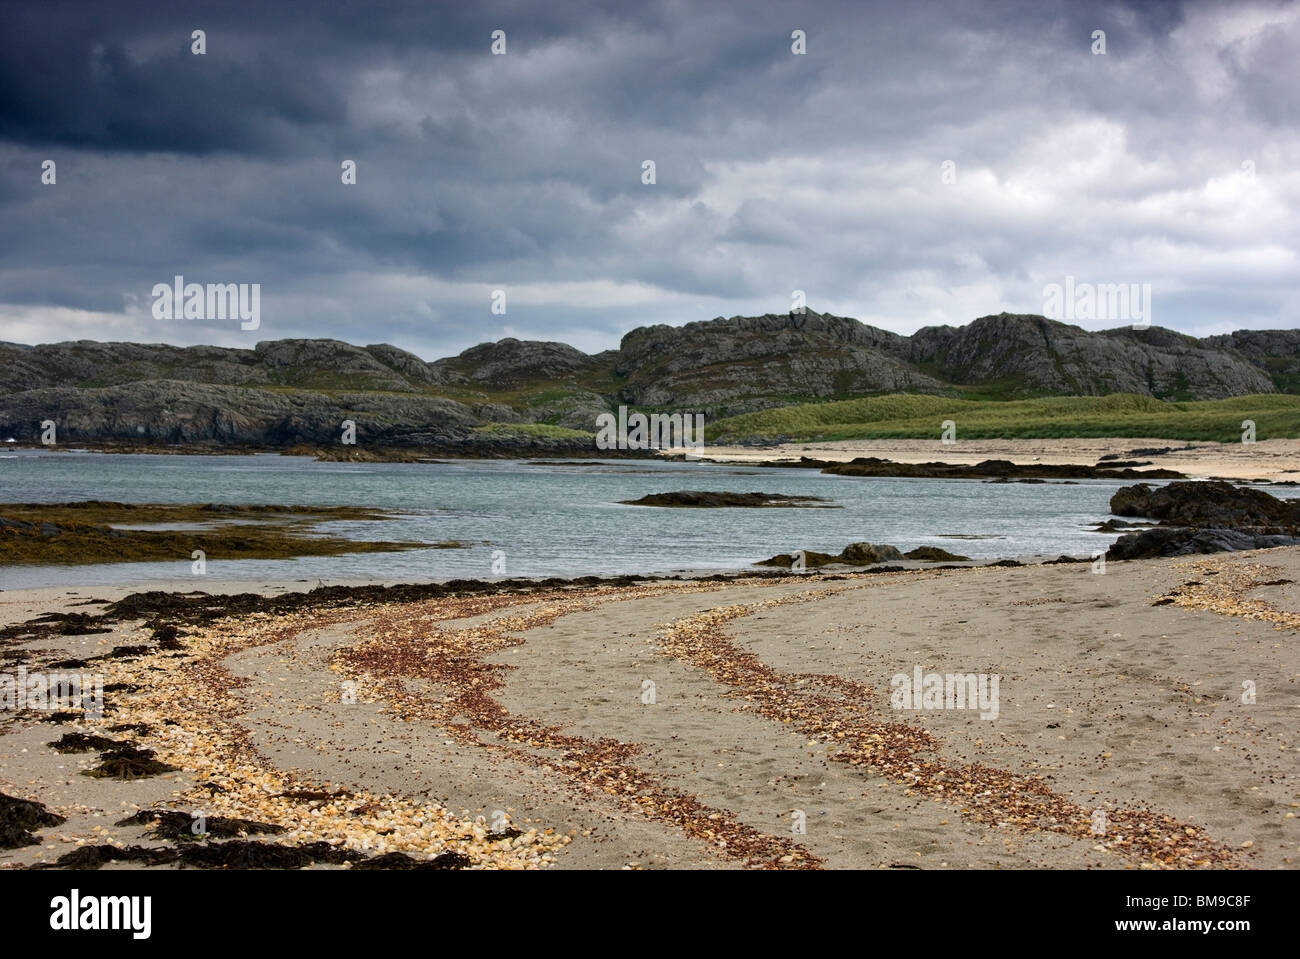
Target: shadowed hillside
pixel 495 397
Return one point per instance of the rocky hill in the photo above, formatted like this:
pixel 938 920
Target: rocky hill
pixel 1275 351
pixel 306 364
pixel 741 364
pixel 1030 354
pixel 518 395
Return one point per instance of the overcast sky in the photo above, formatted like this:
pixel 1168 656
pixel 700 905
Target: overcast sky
pixel 1173 159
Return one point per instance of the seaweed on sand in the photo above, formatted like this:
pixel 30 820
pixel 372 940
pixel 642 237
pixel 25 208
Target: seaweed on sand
pixel 171 824
pixel 128 762
pixel 84 743
pixel 18 817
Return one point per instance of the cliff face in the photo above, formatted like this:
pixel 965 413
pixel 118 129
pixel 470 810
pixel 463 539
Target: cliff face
pixel 284 392
pixel 1277 352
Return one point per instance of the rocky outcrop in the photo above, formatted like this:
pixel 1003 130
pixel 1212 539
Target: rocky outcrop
pixel 1203 517
pixel 933 554
pixel 720 367
pixel 986 469
pixel 93 531
pixel 572 408
pixel 1118 525
pixel 326 364
pixel 715 499
pixel 168 412
pixel 308 364
pixel 1164 541
pixel 855 554
pixel 730 366
pixel 1209 504
pixel 1028 353
pixel 510 363
pixel 864 554
pixel 811 560
pixel 1276 352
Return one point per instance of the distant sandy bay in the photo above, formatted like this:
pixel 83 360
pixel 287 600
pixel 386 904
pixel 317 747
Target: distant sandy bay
pixel 1146 718
pixel 1275 460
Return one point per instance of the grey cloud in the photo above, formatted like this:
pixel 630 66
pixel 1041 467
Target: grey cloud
pixel 775 172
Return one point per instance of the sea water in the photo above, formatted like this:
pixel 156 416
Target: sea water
pixel 560 519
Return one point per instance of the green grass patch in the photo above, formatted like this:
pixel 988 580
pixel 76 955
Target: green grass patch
pixel 542 430
pixel 919 417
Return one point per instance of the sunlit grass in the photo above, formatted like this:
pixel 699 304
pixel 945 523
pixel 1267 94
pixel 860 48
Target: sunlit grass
pixel 917 416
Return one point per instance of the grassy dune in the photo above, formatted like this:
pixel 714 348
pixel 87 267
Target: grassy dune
pixel 899 416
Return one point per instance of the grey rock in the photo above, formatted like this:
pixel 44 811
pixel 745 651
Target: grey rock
pixel 729 366
pixel 1208 504
pixel 1186 541
pixel 291 391
pixel 863 554
pixel 1033 353
pixel 510 363
pixel 172 412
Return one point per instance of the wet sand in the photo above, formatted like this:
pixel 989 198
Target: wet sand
pixel 771 714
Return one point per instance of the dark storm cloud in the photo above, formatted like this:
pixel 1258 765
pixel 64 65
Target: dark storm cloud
pixel 85 91
pixel 121 77
pixel 1169 160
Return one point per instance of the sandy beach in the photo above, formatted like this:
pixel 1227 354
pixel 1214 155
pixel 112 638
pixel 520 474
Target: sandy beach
pixel 1274 460
pixel 741 724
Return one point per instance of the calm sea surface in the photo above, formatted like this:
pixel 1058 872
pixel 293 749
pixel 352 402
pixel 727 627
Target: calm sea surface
pixel 556 519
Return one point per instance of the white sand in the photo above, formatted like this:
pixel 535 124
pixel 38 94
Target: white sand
pixel 1276 460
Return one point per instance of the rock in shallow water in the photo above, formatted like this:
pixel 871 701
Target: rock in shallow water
pixel 855 554
pixel 1203 517
pixel 1208 505
pixel 863 554
pixel 715 499
pixel 934 554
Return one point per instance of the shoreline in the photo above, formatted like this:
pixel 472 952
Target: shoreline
pixel 68 597
pixel 1119 693
pixel 1272 460
pixel 1275 460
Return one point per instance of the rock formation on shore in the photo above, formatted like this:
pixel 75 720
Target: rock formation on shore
pixel 716 499
pixel 863 554
pixel 1203 517
pixel 999 470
